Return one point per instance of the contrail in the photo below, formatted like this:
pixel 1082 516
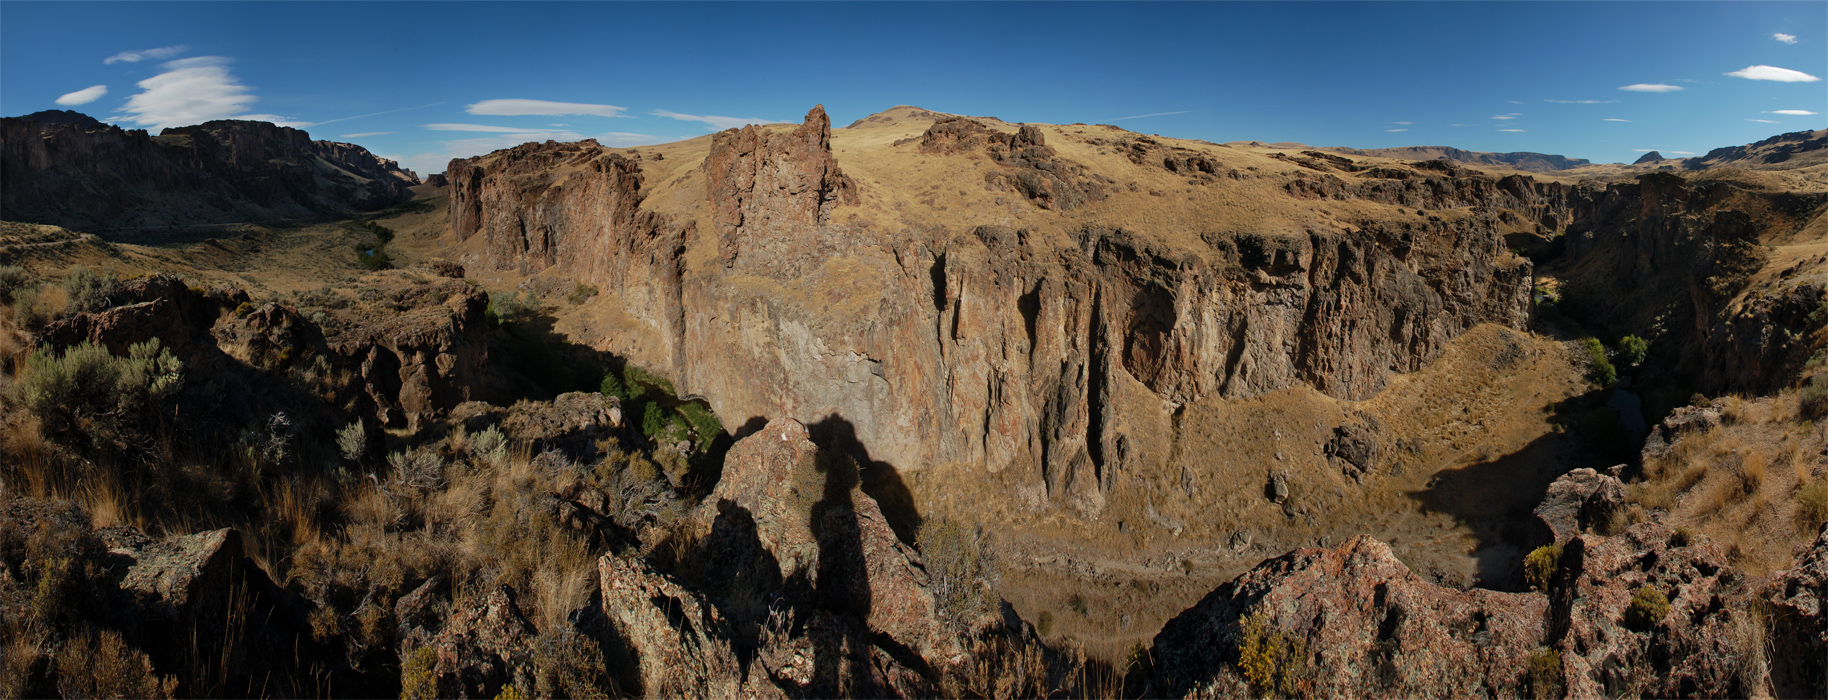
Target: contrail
pixel 376 114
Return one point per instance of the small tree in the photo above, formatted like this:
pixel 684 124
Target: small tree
pixel 1539 566
pixel 88 397
pixel 1273 661
pixel 1632 350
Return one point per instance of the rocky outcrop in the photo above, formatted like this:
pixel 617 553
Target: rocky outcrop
pixel 572 422
pixel 1690 249
pixel 1370 628
pixel 1608 649
pixel 1520 160
pixel 92 176
pixel 1580 500
pixel 1798 601
pixel 769 190
pixel 992 345
pixel 1037 171
pixel 1648 158
pixel 1794 149
pixel 678 644
pixel 425 358
pixel 481 649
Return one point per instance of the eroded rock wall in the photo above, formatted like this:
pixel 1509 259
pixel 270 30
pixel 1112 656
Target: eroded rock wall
pixel 988 346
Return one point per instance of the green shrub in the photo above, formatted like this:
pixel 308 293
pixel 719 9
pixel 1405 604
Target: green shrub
pixel 508 307
pixel 1812 505
pixel 1543 678
pixel 418 677
pixel 1274 662
pixel 702 420
pixel 490 445
pixel 612 386
pixel 962 570
pixel 654 419
pixel 1539 566
pixel 635 376
pixel 12 279
pixel 1648 607
pixel 85 290
pixel 1812 401
pixel 375 258
pixel 1633 350
pixel 89 397
pixel 1599 369
pixel 27 312
pixel 352 441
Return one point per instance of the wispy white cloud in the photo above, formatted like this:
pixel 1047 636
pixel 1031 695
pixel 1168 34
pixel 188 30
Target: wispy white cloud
pixel 1460 125
pixel 486 128
pixel 1791 112
pixel 158 54
pixel 1403 123
pixel 1763 121
pixel 560 126
pixel 193 91
pixel 1786 38
pixel 721 123
pixel 83 96
pixel 1138 116
pixel 364 134
pixel 1610 119
pixel 1513 102
pixel 1683 153
pixel 1650 87
pixel 622 139
pixel 1506 116
pixel 1392 131
pixel 544 108
pixel 1643 150
pixel 1582 102
pixel 1514 131
pixel 1781 75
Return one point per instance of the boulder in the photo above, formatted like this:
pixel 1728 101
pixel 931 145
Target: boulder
pixel 1608 651
pixel 1367 627
pixel 677 643
pixel 478 651
pixel 1579 500
pixel 571 422
pixel 422 360
pixel 1798 601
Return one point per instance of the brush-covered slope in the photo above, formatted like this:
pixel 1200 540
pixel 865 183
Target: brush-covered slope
pixel 66 169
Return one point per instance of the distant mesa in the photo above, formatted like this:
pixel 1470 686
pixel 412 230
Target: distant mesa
pixel 1792 150
pixel 1651 157
pixel 68 169
pixel 1519 160
pixel 63 116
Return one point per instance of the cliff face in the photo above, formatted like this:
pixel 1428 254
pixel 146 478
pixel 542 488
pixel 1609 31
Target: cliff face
pixel 92 176
pixel 1678 259
pixel 996 345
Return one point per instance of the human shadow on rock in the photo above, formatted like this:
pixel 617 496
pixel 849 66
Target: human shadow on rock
pixel 881 480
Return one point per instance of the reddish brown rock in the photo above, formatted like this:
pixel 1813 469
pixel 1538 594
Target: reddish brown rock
pixel 1370 628
pixel 425 359
pixel 1691 650
pixel 768 189
pixel 1798 601
pixel 1580 500
pixel 480 650
pixel 679 642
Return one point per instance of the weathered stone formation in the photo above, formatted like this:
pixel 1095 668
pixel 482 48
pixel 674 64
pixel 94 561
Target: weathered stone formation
pixel 1651 612
pixel 810 594
pixel 426 358
pixel 1376 628
pixel 1687 249
pixel 578 208
pixel 770 190
pixel 88 175
pixel 990 346
pixel 1582 499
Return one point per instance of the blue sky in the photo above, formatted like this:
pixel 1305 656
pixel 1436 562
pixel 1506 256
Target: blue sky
pixel 422 82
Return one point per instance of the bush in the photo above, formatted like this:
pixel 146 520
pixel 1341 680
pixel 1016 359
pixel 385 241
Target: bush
pixel 1539 566
pixel 490 446
pixel 703 421
pixel 508 307
pixel 1648 607
pixel 1544 678
pixel 89 397
pixel 1812 401
pixel 580 294
pixel 612 386
pixel 1273 661
pixel 962 569
pixel 418 677
pixel 352 441
pixel 1599 369
pixel 1812 505
pixel 375 258
pixel 27 312
pixel 1633 350
pixel 87 291
pixel 102 665
pixel 12 279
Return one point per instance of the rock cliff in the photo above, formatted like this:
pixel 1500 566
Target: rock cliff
pixel 988 344
pixel 88 176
